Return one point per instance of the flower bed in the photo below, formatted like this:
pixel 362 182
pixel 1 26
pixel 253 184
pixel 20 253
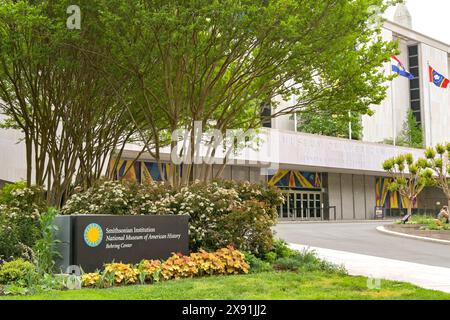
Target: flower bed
pixel 225 261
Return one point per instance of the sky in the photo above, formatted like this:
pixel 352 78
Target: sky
pixel 429 17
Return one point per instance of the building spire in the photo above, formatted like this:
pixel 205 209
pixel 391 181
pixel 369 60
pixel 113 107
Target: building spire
pixel 402 16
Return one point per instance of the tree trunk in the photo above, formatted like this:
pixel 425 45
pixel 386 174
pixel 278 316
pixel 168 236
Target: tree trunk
pixel 410 205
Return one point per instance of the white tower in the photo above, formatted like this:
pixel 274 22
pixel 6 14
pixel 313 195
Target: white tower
pixel 402 16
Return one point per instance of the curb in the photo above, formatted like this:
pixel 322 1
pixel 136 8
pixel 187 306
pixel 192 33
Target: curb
pixel 404 235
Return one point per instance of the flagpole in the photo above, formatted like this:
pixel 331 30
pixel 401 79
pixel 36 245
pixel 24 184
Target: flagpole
pixel 350 134
pixel 394 125
pixel 429 106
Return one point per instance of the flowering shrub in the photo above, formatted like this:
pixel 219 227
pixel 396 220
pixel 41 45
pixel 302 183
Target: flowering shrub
pixel 90 279
pixel 149 270
pixel 224 261
pixel 122 273
pixel 234 260
pixel 106 197
pixel 178 266
pixel 20 209
pixel 221 213
pixel 208 263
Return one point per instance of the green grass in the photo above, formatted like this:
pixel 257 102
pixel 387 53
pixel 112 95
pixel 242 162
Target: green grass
pixel 265 286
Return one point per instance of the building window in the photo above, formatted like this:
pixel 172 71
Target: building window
pixel 414 85
pixel 266 114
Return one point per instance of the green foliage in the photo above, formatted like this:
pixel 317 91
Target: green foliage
pixel 427 222
pixel 225 261
pixel 412 131
pixel 281 249
pixel 20 209
pixel 45 248
pixel 411 135
pixel 438 162
pixel 256 264
pixel 408 177
pixel 198 67
pixel 330 124
pixel 267 286
pixel 436 225
pixel 6 194
pixel 288 264
pixel 420 219
pixel 222 212
pixel 56 95
pixel 270 257
pixel 307 261
pixel 16 272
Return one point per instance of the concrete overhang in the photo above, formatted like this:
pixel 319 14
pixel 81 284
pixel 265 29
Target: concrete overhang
pixel 308 152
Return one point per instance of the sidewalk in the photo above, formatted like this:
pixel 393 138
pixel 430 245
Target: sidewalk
pixel 333 221
pixel 425 276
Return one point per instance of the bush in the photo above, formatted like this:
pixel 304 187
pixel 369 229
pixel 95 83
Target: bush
pixel 256 264
pixel 307 261
pixel 45 248
pixel 281 249
pixel 178 266
pixel 288 264
pixel 208 263
pixel 20 209
pixel 122 273
pixel 222 213
pixel 16 272
pixel 90 279
pixel 149 271
pixel 233 259
pixel 270 257
pixel 105 197
pixel 224 261
pixel 435 225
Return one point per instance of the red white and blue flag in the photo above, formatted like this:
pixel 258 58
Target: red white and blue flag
pixel 438 79
pixel 399 68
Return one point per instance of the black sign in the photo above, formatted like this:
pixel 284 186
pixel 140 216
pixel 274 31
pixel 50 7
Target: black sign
pixel 379 213
pixel 97 240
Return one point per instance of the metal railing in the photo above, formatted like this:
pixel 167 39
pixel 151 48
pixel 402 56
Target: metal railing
pixel 309 214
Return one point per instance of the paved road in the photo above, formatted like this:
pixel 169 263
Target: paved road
pixel 363 238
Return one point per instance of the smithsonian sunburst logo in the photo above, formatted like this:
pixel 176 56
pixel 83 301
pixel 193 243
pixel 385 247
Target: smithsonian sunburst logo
pixel 93 235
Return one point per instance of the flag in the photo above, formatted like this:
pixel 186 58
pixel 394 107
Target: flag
pixel 438 79
pixel 399 68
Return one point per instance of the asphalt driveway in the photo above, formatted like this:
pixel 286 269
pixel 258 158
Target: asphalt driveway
pixel 363 238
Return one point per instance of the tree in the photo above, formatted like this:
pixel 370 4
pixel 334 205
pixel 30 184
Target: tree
pixel 333 125
pixel 216 62
pixel 69 115
pixel 409 177
pixel 411 135
pixel 412 132
pixel 438 159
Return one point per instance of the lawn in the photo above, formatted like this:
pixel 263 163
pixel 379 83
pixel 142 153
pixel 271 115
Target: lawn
pixel 265 286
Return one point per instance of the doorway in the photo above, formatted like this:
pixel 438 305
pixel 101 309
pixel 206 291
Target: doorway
pixel 301 205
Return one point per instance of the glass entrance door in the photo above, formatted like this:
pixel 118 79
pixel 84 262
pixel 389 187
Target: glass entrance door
pixel 301 205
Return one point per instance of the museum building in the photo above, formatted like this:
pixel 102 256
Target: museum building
pixel 326 178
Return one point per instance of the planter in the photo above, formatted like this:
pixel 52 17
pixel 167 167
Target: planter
pixel 414 229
